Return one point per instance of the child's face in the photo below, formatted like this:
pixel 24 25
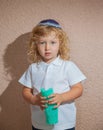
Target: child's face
pixel 48 47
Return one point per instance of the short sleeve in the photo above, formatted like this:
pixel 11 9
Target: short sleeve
pixel 26 79
pixel 75 75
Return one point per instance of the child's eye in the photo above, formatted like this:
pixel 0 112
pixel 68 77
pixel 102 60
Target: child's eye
pixel 53 42
pixel 42 42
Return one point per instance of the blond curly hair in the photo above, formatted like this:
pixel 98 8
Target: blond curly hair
pixel 40 30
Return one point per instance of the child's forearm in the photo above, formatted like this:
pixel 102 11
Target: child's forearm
pixel 75 92
pixel 28 96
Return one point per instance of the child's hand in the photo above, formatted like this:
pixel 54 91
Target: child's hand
pixel 41 101
pixel 55 99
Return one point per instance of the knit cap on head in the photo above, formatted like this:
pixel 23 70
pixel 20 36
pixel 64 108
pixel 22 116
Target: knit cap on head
pixel 50 22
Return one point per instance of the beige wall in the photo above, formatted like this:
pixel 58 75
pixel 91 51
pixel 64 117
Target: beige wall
pixel 83 22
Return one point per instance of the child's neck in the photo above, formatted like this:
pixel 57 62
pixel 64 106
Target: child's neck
pixel 50 60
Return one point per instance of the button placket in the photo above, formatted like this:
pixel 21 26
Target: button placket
pixel 44 82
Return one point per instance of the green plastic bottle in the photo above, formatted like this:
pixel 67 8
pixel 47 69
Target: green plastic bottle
pixel 51 113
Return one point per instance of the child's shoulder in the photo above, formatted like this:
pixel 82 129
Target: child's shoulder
pixel 32 66
pixel 68 62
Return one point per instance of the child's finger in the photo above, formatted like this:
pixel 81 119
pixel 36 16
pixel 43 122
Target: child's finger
pixel 42 98
pixel 51 96
pixel 52 101
pixel 56 106
pixel 44 101
pixel 44 106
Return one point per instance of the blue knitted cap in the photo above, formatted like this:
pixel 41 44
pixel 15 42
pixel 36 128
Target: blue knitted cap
pixel 50 22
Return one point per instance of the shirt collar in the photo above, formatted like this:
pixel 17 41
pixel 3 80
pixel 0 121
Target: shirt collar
pixel 56 62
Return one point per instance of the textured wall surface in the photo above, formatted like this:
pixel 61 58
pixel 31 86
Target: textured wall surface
pixel 83 22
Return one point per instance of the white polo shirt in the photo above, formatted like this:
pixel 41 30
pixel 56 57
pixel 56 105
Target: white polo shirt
pixel 61 76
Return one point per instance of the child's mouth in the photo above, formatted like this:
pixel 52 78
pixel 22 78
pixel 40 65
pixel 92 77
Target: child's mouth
pixel 47 53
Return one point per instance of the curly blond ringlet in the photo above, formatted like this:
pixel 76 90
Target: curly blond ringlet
pixel 39 31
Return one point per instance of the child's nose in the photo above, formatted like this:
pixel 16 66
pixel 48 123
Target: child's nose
pixel 47 46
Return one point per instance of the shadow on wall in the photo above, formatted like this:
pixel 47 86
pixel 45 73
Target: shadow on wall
pixel 15 112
